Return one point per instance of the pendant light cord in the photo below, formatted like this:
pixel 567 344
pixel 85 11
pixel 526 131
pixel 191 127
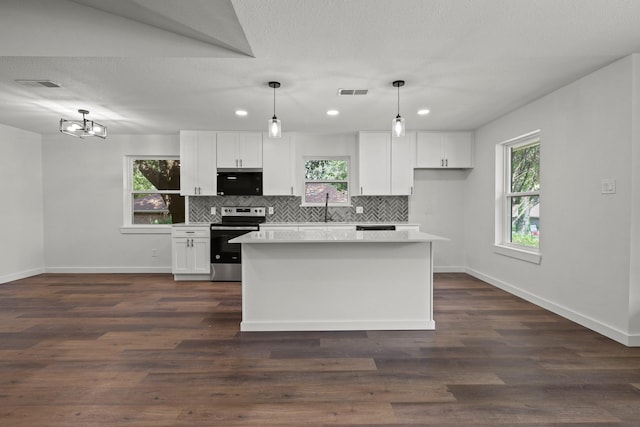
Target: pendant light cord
pixel 274 101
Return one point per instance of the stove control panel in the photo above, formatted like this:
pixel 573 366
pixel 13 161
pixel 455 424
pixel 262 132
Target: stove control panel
pixel 243 211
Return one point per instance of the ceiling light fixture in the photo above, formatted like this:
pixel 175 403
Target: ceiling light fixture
pixel 82 128
pixel 397 125
pixel 241 113
pixel 333 112
pixel 423 112
pixel 275 127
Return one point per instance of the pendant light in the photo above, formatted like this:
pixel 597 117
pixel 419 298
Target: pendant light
pixel 82 128
pixel 397 125
pixel 275 127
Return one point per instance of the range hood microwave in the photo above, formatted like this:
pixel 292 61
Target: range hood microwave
pixel 240 182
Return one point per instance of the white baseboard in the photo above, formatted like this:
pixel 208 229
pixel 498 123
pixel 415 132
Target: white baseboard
pixel 108 270
pixel 586 321
pixel 21 275
pixel 449 269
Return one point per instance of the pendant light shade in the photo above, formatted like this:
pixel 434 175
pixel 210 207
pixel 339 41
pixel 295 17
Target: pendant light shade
pixel 397 125
pixel 275 126
pixel 82 128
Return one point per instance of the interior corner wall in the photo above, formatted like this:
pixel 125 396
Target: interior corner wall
pixel 634 256
pixel 21 251
pixel 437 205
pixel 83 205
pixel 585 236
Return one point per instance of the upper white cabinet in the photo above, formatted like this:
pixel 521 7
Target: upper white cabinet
pixel 277 166
pixel 444 150
pixel 374 163
pixel 198 163
pixel 385 164
pixel 402 161
pixel 239 150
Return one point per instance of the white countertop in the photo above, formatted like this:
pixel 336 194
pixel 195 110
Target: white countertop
pixel 335 223
pixel 336 236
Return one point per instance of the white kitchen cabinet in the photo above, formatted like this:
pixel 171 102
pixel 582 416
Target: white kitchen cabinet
pixel 277 166
pixel 439 150
pixel 402 162
pixel 239 150
pixel 198 163
pixel 374 163
pixel 190 253
pixel 386 164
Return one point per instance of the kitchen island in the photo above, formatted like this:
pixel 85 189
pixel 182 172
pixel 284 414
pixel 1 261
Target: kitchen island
pixel 337 280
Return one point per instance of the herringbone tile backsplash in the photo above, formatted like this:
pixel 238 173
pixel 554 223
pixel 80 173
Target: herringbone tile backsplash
pixel 288 209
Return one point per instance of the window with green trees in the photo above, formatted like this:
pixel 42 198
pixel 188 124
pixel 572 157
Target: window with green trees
pixel 326 176
pixel 522 192
pixel 154 191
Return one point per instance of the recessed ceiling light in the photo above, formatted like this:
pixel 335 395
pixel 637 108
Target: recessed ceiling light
pixel 423 112
pixel 332 112
pixel 241 113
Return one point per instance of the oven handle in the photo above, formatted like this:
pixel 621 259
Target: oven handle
pixel 222 227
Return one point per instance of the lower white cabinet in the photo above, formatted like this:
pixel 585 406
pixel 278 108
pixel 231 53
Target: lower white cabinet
pixel 190 252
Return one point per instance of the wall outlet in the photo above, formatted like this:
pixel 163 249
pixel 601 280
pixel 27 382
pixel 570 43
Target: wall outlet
pixel 359 209
pixel 608 186
pixel 213 210
pixel 270 210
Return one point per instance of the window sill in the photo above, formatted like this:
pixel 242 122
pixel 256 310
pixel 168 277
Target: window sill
pixel 521 254
pixel 145 229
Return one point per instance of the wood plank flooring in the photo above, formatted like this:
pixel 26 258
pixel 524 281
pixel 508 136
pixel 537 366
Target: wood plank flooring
pixel 143 350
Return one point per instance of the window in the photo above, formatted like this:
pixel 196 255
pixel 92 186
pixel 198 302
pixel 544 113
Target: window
pixel 326 176
pixel 152 194
pixel 518 207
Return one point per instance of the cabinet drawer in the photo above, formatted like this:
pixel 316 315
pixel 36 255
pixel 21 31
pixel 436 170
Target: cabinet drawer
pixel 190 232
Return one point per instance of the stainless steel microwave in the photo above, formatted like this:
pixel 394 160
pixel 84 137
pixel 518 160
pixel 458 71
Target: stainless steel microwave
pixel 240 183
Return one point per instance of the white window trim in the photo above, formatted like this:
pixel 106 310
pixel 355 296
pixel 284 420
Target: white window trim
pixel 127 220
pixel 347 204
pixel 502 245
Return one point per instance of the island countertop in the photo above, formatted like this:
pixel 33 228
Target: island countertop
pixel 336 236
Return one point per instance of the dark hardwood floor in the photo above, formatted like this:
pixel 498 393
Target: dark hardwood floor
pixel 143 350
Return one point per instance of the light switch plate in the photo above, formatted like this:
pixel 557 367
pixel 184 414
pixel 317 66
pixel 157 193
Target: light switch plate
pixel 608 186
pixel 359 209
pixel 213 210
pixel 270 210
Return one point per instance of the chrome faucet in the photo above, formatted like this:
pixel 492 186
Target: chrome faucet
pixel 326 208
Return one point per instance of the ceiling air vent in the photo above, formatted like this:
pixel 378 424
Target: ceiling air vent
pixel 345 92
pixel 38 83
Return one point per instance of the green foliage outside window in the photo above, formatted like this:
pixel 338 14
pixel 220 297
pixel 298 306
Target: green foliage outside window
pixel 525 178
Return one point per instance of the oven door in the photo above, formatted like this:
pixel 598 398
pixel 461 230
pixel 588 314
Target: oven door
pixel 223 252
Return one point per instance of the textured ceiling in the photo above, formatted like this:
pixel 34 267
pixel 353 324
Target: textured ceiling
pixel 151 66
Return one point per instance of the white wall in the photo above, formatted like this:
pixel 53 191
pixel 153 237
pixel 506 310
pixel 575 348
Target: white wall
pixel 83 205
pixel 437 204
pixel 634 257
pixel 21 248
pixel 586 133
pixel 321 144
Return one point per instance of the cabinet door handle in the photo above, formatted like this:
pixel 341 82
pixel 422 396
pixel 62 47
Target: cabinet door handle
pixel 240 162
pixel 292 190
pixel 361 192
pixel 411 190
pixel 442 162
pixel 446 162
